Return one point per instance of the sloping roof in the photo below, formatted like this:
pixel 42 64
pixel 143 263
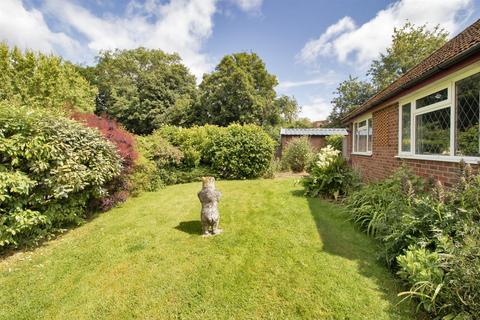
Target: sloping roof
pixel 313 131
pixel 463 45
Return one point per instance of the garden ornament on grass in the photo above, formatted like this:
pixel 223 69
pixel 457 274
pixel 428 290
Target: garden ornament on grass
pixel 209 197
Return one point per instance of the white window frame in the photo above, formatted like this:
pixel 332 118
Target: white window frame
pixel 358 120
pixel 449 83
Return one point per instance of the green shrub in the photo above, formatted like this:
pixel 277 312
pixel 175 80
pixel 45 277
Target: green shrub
pixel 297 154
pixel 235 152
pixel 423 268
pixel 336 141
pixel 240 152
pixel 160 151
pixel 154 168
pixel 145 176
pixel 50 170
pixel 191 175
pixel 191 141
pixel 274 167
pixel 432 238
pixel 374 205
pixel 330 176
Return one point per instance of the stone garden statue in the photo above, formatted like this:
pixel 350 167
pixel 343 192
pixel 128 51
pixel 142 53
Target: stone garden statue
pixel 209 197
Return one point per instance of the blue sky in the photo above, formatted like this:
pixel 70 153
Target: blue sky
pixel 310 45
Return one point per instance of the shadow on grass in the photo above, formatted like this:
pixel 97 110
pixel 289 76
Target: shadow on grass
pixel 52 235
pixel 191 227
pixel 340 237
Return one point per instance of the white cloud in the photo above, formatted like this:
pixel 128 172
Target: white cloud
pixel 323 45
pixel 344 40
pixel 28 29
pixel 325 79
pixel 249 5
pixel 179 26
pixel 317 108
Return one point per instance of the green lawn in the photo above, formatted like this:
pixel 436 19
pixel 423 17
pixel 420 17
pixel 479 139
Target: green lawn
pixel 282 256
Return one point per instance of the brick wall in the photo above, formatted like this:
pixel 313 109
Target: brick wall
pixel 382 162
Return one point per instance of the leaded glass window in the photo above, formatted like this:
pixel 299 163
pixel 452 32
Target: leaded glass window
pixel 406 127
pixel 468 116
pixel 432 132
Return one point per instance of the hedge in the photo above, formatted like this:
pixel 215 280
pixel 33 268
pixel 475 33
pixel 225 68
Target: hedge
pixel 51 168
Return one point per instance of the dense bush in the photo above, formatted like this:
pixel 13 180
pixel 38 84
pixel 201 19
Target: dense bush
pixel 336 141
pixel 234 152
pixel 118 188
pixel 50 170
pixel 43 81
pixel 432 238
pixel 374 207
pixel 297 154
pixel 274 168
pixel 193 142
pixel 113 132
pixel 329 175
pixel 157 158
pixel 145 176
pixel 240 152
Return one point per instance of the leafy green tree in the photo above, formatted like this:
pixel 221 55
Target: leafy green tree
pixel 144 88
pixel 287 109
pixel 410 45
pixel 348 95
pixel 240 89
pixel 43 81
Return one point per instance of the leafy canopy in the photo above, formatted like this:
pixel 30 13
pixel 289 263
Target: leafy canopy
pixel 349 94
pixel 144 88
pixel 240 89
pixel 410 45
pixel 43 81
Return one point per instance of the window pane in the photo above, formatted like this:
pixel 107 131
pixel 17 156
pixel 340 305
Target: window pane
pixel 362 139
pixel 406 126
pixel 370 130
pixel 433 132
pixel 355 136
pixel 467 133
pixel 432 98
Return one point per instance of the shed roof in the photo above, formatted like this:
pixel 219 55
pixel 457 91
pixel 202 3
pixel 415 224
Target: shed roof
pixel 313 131
pixel 458 48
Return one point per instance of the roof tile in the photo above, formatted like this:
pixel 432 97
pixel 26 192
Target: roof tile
pixel 313 131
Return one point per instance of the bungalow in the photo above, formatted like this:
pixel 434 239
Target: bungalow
pixel 428 119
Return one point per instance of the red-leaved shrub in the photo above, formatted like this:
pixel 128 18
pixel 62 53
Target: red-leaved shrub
pixel 113 132
pixel 118 188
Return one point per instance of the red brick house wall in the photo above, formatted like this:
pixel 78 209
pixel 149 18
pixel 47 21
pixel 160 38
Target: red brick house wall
pixel 458 53
pixel 383 161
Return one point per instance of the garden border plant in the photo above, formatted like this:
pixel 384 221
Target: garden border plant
pixel 430 238
pixel 51 168
pixel 329 175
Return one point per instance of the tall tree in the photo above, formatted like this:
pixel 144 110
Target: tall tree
pixel 348 95
pixel 287 108
pixel 239 90
pixel 44 81
pixel 144 88
pixel 410 45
